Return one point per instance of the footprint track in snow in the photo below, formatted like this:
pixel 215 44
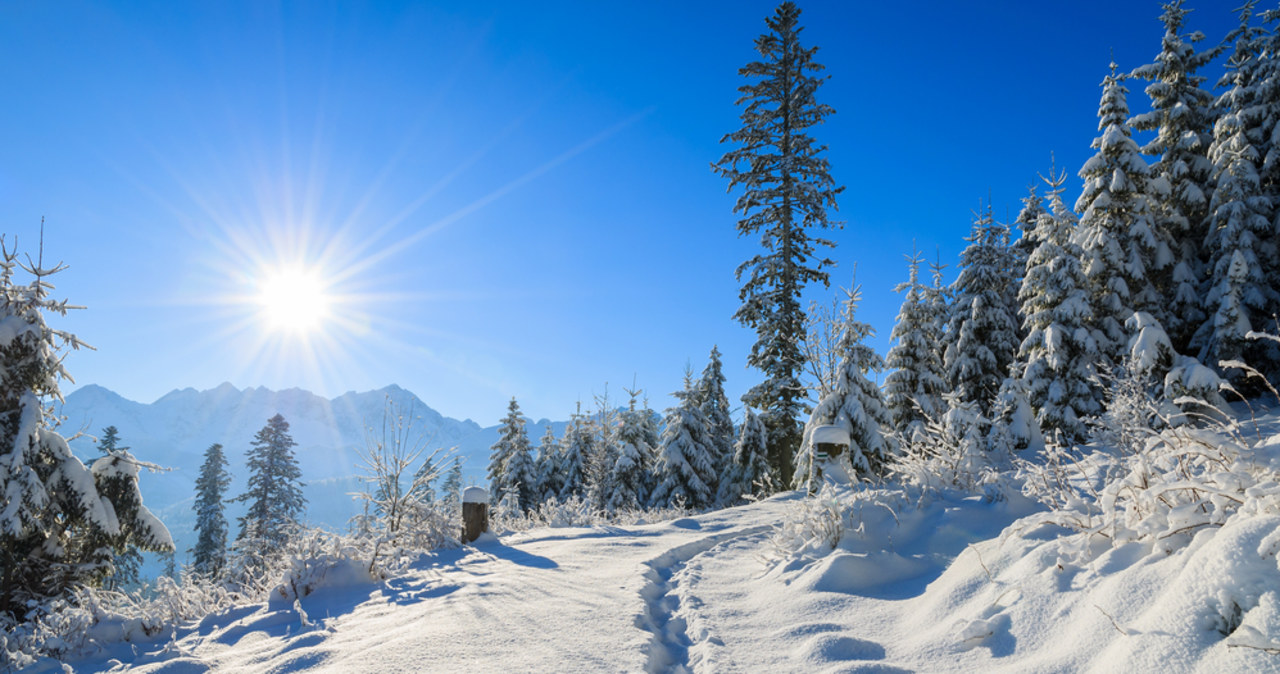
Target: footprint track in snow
pixel 669 647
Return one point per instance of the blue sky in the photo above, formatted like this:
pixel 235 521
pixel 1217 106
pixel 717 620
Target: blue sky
pixel 503 198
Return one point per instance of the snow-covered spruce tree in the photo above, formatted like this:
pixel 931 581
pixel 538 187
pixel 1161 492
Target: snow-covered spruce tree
pixel 451 488
pixel 854 404
pixel 748 474
pixel 631 467
pixel 938 300
pixel 47 496
pixel 1058 356
pixel 1182 116
pixel 576 448
pixel 983 330
pixel 604 453
pixel 511 461
pixel 209 556
pixel 118 556
pixel 715 409
pixel 1125 253
pixel 788 191
pixel 274 492
pixel 126 561
pixel 650 426
pixel 548 467
pixel 684 458
pixel 1027 221
pixel 426 474
pixel 913 389
pixel 1013 423
pixel 1267 115
pixel 1241 245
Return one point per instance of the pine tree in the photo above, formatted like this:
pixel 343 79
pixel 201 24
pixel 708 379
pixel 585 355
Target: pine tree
pixel 109 441
pixel 548 464
pixel 913 389
pixel 423 478
pixel 127 559
pixel 1125 253
pixel 274 492
pixel 854 404
pixel 1058 355
pixel 209 556
pixel 684 459
pixel 576 448
pixel 511 461
pixel 50 499
pixel 748 472
pixel 116 478
pixel 604 453
pixel 1181 115
pixel 1027 220
pixel 630 470
pixel 714 405
pixel 1242 253
pixel 451 489
pixel 983 328
pixel 788 191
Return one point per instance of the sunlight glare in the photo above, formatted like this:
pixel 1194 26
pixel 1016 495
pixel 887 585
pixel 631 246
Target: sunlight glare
pixel 293 300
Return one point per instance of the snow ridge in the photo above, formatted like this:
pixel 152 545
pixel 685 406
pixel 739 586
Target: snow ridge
pixel 669 648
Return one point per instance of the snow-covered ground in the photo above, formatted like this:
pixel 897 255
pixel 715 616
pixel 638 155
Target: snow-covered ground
pixel 874 581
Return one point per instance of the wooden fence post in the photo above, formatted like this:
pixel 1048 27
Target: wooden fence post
pixel 475 513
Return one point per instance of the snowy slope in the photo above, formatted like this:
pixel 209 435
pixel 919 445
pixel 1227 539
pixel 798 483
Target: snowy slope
pixel 175 430
pixel 935 588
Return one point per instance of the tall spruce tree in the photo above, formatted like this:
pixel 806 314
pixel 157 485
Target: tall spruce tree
pixel 788 191
pixel 209 556
pixel 913 389
pixel 1241 248
pixel 983 328
pixel 50 499
pixel 274 492
pixel 1182 116
pixel 1057 356
pixel 684 459
pixel 855 404
pixel 510 461
pixel 1125 253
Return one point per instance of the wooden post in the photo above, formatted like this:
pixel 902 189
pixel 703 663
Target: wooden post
pixel 475 513
pixel 829 442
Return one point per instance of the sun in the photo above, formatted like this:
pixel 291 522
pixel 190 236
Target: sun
pixel 293 300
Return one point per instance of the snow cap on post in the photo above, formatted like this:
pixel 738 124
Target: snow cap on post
pixel 830 435
pixel 475 495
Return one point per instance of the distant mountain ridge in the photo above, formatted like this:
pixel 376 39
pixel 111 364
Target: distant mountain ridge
pixel 176 429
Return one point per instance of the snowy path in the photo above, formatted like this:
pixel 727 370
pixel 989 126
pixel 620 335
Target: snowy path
pixel 906 592
pixel 562 600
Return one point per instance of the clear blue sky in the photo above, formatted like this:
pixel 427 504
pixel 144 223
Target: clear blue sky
pixel 506 198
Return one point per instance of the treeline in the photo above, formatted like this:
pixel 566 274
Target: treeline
pixel 617 460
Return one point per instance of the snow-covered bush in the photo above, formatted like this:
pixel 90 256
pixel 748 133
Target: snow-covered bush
pixel 1177 482
pixel 957 453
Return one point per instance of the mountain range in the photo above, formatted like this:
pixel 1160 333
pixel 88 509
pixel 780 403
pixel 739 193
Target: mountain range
pixel 174 432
